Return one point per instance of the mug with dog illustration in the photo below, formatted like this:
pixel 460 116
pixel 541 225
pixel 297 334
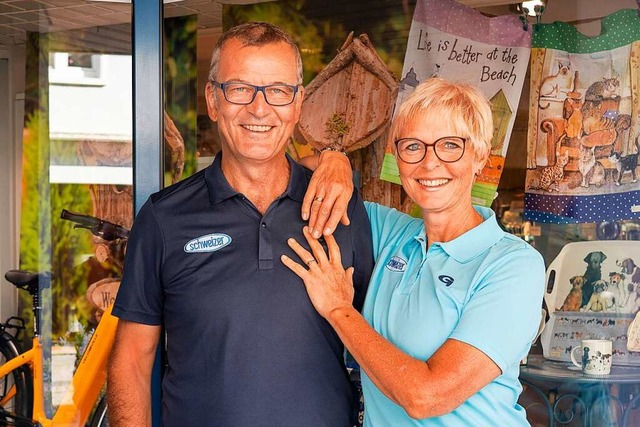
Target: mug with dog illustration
pixel 596 356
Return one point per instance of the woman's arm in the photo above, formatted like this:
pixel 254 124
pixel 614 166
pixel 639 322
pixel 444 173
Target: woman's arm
pixel 424 389
pixel 436 387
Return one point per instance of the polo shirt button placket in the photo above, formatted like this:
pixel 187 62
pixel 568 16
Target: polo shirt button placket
pixel 412 275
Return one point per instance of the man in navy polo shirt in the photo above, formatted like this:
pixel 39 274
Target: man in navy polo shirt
pixel 245 347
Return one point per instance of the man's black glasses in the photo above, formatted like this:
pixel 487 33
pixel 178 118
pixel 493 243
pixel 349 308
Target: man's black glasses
pixel 277 95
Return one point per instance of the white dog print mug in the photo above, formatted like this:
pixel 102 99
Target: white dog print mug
pixel 596 356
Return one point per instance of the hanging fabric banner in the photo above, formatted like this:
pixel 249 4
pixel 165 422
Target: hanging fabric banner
pixel 456 42
pixel 584 124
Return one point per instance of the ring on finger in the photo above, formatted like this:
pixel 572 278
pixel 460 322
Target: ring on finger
pixel 311 261
pixel 318 199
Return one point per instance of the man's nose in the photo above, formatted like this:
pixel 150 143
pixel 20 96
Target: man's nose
pixel 259 106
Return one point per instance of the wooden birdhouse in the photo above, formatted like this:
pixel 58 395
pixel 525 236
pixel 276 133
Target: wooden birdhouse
pixel 349 103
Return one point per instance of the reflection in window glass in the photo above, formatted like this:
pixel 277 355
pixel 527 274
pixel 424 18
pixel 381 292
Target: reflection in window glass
pixel 77 156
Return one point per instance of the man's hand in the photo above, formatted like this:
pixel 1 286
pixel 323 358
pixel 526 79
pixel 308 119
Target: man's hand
pixel 327 198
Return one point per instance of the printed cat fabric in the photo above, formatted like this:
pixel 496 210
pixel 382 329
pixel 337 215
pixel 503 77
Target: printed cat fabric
pixel 584 124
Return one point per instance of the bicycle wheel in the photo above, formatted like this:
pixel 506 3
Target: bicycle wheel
pixel 100 418
pixel 16 393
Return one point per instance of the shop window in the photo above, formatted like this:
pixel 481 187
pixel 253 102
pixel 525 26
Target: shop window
pixel 81 69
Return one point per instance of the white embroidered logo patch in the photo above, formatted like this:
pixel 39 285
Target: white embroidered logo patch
pixel 396 264
pixel 207 243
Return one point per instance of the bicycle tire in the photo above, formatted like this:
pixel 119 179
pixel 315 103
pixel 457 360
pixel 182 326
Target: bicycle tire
pixel 100 417
pixel 21 403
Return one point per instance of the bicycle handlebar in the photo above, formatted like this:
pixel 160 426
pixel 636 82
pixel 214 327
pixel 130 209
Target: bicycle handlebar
pixel 99 227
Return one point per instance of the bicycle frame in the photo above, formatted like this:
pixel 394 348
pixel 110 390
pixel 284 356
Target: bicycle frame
pixel 86 385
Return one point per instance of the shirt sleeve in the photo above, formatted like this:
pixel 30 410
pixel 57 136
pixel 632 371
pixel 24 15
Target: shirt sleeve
pixel 140 296
pixel 389 225
pixel 502 315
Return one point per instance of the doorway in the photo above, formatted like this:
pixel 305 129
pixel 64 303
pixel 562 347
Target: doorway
pixel 8 179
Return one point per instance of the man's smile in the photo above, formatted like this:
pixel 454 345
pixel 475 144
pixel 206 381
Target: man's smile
pixel 257 128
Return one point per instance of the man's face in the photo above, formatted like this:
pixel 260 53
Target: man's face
pixel 257 131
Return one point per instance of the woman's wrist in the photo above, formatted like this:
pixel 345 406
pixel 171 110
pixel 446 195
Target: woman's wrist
pixel 341 314
pixel 332 154
pixel 334 150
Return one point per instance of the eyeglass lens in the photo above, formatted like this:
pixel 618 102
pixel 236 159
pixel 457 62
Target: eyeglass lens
pixel 242 93
pixel 448 149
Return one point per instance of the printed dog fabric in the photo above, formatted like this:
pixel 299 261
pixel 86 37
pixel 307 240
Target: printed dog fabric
pixel 584 131
pixel 593 292
pixel 456 42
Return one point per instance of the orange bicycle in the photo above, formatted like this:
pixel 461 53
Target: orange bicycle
pixel 21 373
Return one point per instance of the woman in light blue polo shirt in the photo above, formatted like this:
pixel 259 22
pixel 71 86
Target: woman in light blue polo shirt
pixel 454 302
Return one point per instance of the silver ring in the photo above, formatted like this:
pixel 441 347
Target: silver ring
pixel 310 261
pixel 318 199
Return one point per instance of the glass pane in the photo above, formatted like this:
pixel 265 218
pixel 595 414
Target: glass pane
pixel 180 71
pixel 77 156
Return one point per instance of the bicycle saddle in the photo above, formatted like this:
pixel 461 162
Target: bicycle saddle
pixel 28 280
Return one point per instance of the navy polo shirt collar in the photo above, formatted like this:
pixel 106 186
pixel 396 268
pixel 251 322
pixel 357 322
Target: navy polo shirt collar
pixel 220 190
pixel 298 181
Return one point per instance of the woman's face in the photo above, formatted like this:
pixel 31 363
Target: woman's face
pixel 434 185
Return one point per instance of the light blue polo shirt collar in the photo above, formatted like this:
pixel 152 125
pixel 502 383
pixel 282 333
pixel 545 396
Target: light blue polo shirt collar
pixel 475 241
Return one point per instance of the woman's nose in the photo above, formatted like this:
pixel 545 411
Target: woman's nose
pixel 430 159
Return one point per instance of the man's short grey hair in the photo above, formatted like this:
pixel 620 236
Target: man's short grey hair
pixel 253 34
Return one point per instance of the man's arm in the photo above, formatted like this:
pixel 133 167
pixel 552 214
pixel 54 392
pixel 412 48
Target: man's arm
pixel 129 374
pixel 331 187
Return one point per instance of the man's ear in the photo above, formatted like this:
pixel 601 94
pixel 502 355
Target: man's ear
pixel 210 97
pixel 298 102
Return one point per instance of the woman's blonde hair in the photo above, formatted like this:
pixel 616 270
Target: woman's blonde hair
pixel 463 105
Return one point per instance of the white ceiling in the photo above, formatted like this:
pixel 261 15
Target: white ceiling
pixel 44 16
pixel 19 16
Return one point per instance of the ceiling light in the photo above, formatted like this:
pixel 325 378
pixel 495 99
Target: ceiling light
pixel 129 1
pixel 533 7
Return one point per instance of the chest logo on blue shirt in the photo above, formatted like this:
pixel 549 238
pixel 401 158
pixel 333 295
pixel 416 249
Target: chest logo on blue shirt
pixel 447 280
pixel 207 243
pixel 396 264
